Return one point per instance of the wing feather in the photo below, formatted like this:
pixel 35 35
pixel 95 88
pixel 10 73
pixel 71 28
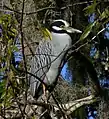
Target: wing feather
pixel 40 65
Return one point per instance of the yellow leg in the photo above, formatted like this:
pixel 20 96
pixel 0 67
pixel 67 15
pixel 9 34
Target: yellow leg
pixel 43 89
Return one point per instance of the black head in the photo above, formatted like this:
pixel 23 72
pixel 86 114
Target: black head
pixel 60 26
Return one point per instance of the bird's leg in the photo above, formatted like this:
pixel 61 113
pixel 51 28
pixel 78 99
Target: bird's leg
pixel 44 91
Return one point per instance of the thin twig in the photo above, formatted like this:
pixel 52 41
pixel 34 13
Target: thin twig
pixel 22 43
pixel 19 106
pixel 35 76
pixel 75 50
pixel 45 8
pixel 52 60
pixel 58 105
pixel 26 13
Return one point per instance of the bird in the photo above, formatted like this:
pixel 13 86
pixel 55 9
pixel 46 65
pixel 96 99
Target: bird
pixel 48 56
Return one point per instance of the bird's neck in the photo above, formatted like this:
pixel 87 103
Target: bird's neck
pixel 61 41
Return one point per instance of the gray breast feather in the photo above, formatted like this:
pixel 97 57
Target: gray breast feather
pixel 40 65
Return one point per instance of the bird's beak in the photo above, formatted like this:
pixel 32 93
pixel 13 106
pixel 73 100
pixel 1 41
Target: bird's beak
pixel 72 30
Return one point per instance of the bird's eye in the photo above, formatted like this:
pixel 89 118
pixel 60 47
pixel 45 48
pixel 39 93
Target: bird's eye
pixel 62 26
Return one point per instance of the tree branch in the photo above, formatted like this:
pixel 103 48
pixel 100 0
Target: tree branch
pixel 45 8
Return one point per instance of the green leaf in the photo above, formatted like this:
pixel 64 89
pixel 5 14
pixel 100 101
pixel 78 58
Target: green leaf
pixel 0 21
pixel 2 85
pixel 81 112
pixel 90 9
pixel 3 69
pixel 33 117
pixel 14 48
pixel 46 33
pixel 105 14
pixel 14 30
pixel 10 42
pixel 87 31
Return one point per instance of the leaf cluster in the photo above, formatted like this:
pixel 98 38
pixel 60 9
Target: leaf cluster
pixel 8 82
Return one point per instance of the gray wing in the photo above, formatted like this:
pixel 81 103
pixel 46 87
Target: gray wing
pixel 40 65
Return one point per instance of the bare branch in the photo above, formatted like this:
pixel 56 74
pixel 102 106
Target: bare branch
pixel 45 8
pixel 24 59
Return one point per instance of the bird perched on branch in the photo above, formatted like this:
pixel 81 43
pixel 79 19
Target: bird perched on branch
pixel 49 54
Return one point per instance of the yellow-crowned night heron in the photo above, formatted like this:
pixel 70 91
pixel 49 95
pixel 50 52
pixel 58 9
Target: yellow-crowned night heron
pixel 45 64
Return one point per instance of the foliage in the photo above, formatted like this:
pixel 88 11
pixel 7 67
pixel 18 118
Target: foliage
pixel 86 69
pixel 87 30
pixel 8 82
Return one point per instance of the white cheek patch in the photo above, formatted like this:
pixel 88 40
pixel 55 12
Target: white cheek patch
pixel 56 28
pixel 66 27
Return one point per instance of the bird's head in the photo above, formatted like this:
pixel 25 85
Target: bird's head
pixel 61 27
pixel 62 32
